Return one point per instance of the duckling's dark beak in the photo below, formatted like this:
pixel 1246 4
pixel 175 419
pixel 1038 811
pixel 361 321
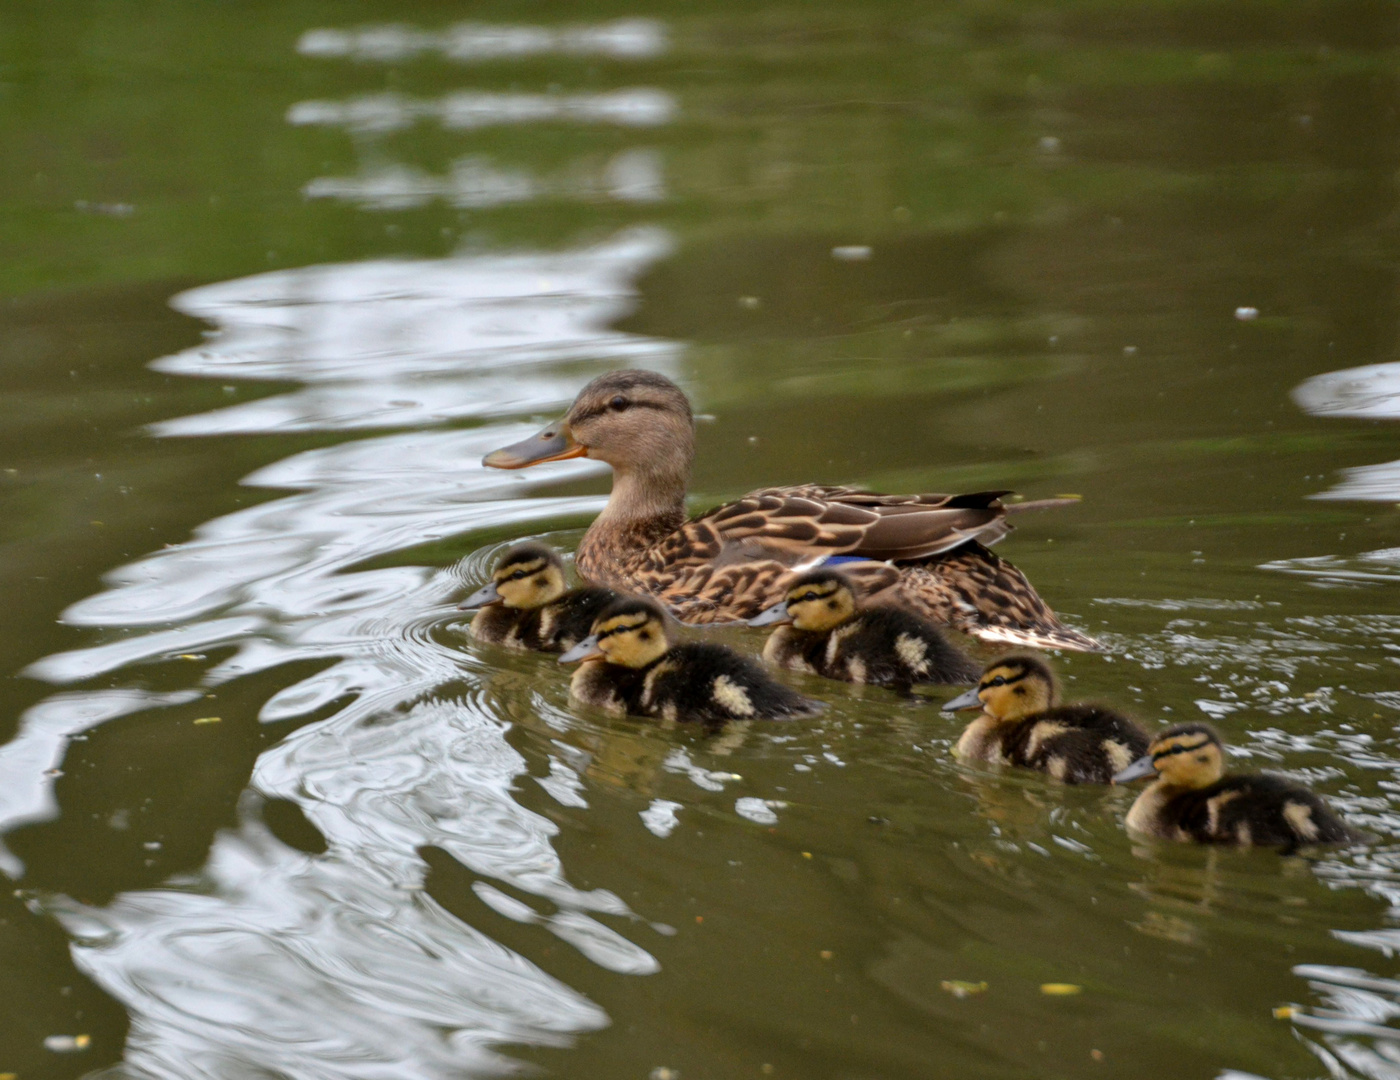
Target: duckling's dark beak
pixel 1136 771
pixel 554 443
pixel 487 594
pixel 587 649
pixel 778 613
pixel 968 699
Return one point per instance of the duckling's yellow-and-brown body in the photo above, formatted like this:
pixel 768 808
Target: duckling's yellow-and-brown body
pixel 631 667
pixel 528 605
pixel 827 632
pixel 928 553
pixel 1191 798
pixel 1022 724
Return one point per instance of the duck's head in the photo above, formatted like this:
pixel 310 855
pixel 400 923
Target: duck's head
pixel 527 576
pixel 1011 688
pixel 1185 756
pixel 818 600
pixel 629 632
pixel 636 421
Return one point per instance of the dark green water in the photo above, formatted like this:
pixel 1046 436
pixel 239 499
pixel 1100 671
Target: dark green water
pixel 274 276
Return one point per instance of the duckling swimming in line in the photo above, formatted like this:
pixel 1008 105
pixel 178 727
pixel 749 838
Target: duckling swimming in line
pixel 827 633
pixel 527 605
pixel 1022 724
pixel 1193 799
pixel 630 666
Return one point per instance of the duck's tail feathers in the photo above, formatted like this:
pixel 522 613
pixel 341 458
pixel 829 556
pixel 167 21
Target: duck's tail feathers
pixel 975 591
pixel 1057 637
pixel 1043 504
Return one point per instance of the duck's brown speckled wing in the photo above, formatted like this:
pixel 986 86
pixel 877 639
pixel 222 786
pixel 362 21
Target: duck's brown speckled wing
pixel 739 590
pixel 791 525
pixel 976 591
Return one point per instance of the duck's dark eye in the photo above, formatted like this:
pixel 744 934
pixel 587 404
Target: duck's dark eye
pixel 519 574
pixel 618 403
pixel 809 596
pixel 998 681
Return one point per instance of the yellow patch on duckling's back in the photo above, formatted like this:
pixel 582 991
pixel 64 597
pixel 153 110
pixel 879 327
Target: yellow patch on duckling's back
pixel 732 696
pixel 1214 806
pixel 1299 815
pixel 913 651
pixel 1046 729
pixel 1119 756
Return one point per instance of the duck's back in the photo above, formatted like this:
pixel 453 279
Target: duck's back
pixel 1256 809
pixel 1079 744
pixel 710 684
pixel 555 627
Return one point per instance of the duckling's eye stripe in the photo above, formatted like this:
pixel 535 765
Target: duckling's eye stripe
pixel 1180 748
pixel 1005 681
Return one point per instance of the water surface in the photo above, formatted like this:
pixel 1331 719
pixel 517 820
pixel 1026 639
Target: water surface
pixel 276 277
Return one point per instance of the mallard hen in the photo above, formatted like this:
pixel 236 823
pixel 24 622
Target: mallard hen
pixel 925 552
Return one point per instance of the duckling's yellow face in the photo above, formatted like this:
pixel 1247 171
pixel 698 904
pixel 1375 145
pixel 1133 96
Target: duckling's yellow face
pixel 631 640
pixel 1011 691
pixel 1189 760
pixel 530 582
pixel 820 605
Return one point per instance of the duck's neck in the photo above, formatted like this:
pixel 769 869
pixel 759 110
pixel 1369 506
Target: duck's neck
pixel 644 508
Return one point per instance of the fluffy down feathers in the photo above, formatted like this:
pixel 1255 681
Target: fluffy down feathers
pixel 691 683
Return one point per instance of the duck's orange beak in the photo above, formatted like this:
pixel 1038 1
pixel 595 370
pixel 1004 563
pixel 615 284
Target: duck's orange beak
pixel 554 443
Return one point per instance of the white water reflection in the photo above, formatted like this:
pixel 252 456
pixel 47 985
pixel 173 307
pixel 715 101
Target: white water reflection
pixel 474 182
pixel 466 110
pixel 395 343
pixel 1371 393
pixel 622 39
pixel 273 961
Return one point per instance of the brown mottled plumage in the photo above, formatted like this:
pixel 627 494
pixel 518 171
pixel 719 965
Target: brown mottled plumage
pixel 1023 724
pixel 1191 798
pixel 924 552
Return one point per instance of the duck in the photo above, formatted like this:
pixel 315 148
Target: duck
pixel 1022 723
pixel 1192 798
pixel 628 664
pixel 528 604
pixel 929 553
pixel 825 630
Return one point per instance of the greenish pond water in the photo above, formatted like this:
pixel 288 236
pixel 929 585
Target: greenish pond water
pixel 273 277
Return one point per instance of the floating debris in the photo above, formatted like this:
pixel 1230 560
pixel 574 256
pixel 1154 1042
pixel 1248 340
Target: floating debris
pixel 960 989
pixel 826 954
pixel 1060 989
pixel 1246 314
pixel 661 1072
pixel 67 1044
pixel 209 720
pixel 752 303
pixel 1285 1012
pixel 852 252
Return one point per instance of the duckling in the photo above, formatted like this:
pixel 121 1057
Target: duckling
pixel 1023 724
pixel 527 604
pixel 631 666
pixel 1193 799
pixel 827 633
